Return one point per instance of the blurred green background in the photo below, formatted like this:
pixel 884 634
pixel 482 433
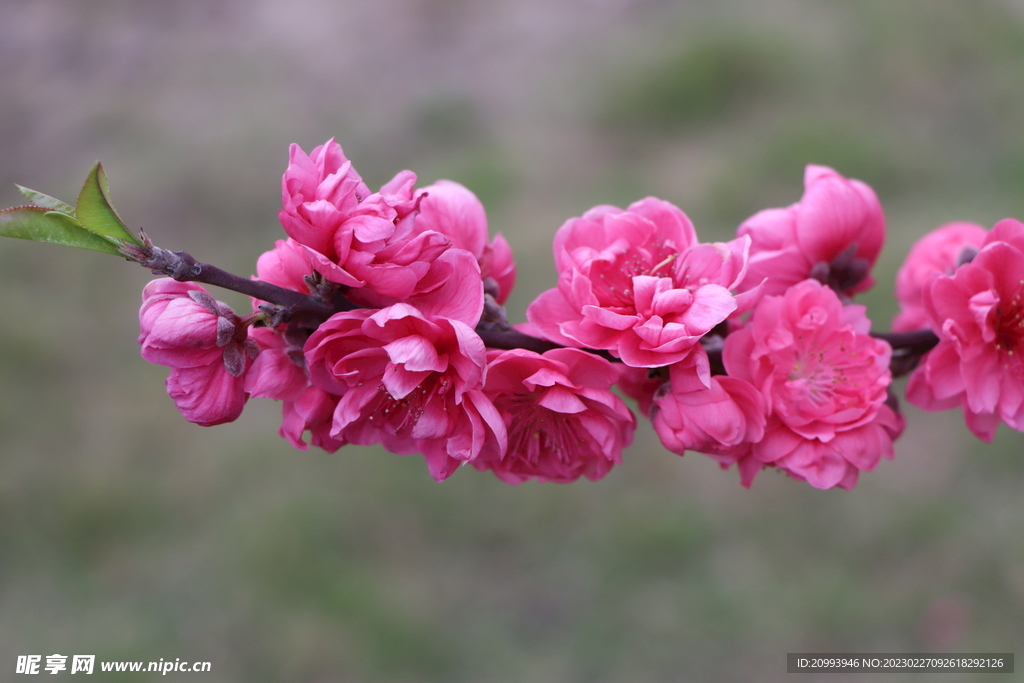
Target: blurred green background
pixel 129 534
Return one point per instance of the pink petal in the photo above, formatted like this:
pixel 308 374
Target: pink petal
pixel 561 400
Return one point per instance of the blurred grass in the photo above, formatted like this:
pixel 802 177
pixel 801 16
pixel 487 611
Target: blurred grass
pixel 706 82
pixel 130 534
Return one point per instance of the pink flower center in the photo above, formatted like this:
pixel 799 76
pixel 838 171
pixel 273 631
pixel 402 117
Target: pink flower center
pixel 536 432
pixel 827 378
pixel 613 280
pixel 403 413
pixel 1009 326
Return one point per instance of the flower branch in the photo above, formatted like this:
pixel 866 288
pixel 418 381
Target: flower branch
pixel 381 320
pixel 496 333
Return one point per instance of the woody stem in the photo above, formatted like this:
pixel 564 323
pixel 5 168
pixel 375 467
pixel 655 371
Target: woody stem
pixel 183 267
pixel 918 341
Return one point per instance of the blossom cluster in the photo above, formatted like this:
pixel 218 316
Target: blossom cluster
pixel 400 362
pixel 749 351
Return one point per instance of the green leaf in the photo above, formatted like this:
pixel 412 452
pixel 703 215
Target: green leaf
pixel 41 225
pixel 47 202
pixel 96 213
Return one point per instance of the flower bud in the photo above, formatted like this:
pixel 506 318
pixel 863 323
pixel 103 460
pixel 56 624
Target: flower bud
pixel 205 344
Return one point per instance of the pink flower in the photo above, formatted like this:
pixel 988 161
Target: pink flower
pixel 408 381
pixel 562 420
pixel 288 265
pixel 825 382
pixel 834 233
pixel 937 253
pixel 382 246
pixel 454 211
pixel 712 419
pixel 350 236
pixel 319 193
pixel 636 283
pixel 205 343
pixel 978 313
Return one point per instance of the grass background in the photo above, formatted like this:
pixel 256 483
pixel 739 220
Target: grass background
pixel 129 534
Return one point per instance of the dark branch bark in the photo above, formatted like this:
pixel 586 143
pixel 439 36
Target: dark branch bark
pixel 908 348
pixel 919 341
pixel 514 339
pixel 183 267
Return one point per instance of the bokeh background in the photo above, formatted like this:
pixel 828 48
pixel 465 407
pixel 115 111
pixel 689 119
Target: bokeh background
pixel 128 533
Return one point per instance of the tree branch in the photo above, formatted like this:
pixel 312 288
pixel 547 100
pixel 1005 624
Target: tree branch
pixel 183 267
pixel 919 341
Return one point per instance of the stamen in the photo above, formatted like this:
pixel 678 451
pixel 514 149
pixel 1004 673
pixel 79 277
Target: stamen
pixel 670 259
